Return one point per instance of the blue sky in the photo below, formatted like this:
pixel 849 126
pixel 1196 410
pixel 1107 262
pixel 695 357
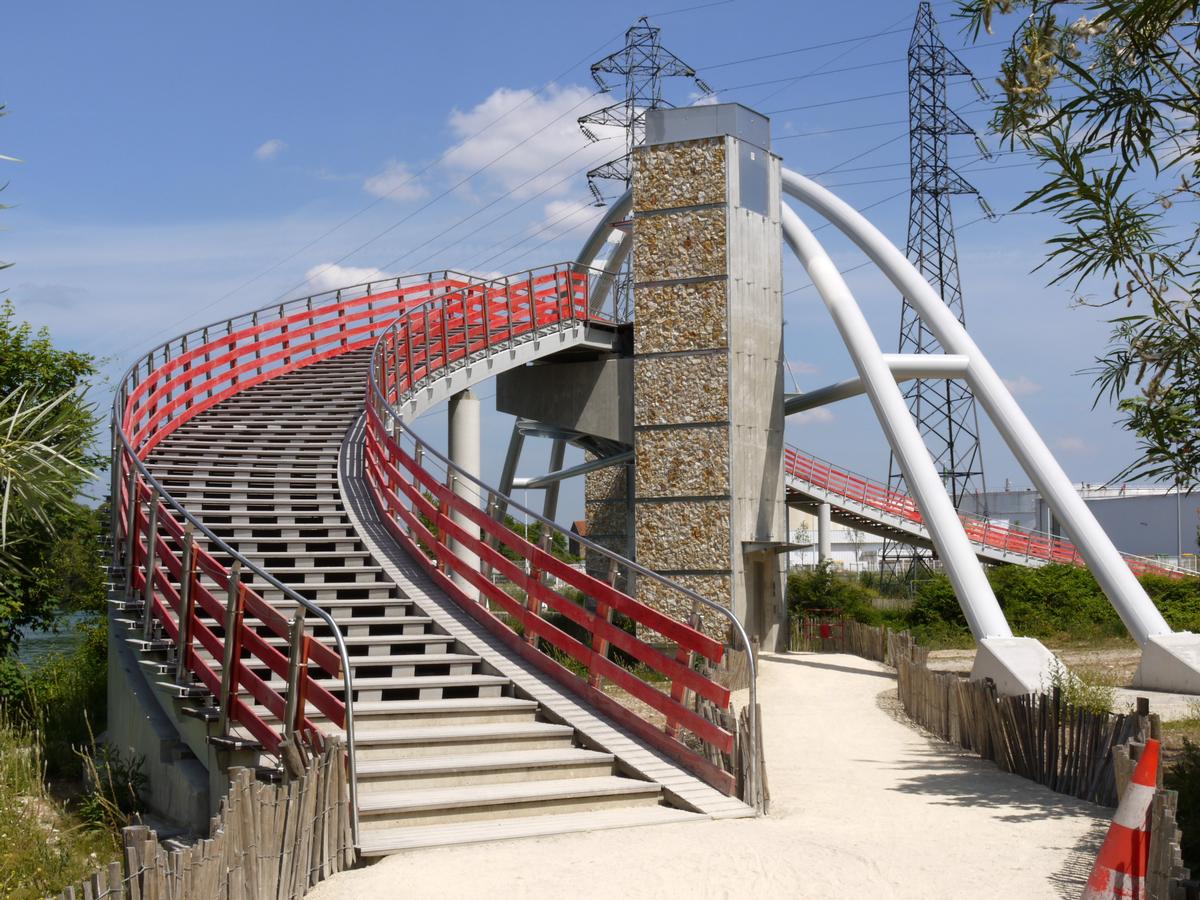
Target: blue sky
pixel 185 162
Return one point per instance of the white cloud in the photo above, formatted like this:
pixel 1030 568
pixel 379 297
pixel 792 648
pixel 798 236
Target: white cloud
pixel 802 367
pixel 563 216
pixel 1022 386
pixel 396 182
pixel 817 416
pixel 1072 444
pixel 269 149
pixel 507 118
pixel 699 99
pixel 331 276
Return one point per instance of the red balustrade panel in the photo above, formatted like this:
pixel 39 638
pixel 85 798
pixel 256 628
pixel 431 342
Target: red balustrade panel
pixel 454 317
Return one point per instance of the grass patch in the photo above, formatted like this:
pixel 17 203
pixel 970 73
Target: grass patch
pixel 44 844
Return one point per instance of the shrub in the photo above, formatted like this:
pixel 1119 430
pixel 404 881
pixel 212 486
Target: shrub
pixel 824 588
pixel 65 697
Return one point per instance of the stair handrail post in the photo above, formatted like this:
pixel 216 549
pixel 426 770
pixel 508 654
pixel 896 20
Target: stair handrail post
pixel 131 517
pixel 232 649
pixel 187 602
pixel 148 585
pixel 296 647
pixel 114 503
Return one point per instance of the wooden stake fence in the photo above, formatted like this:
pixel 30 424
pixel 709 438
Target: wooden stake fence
pixel 1084 753
pixel 268 841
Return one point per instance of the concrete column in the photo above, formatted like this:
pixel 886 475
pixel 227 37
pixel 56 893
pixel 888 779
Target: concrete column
pixel 558 451
pixel 463 446
pixel 824 537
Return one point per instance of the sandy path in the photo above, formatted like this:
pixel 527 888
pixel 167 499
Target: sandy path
pixel 862 806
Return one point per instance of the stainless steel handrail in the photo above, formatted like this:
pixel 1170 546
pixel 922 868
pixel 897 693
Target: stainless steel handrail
pixel 384 408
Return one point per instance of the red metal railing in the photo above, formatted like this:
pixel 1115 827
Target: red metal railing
pixel 1030 545
pixel 170 558
pixel 434 511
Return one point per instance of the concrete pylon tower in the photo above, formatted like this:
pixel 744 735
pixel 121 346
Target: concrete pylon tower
pixel 708 362
pixel 944 409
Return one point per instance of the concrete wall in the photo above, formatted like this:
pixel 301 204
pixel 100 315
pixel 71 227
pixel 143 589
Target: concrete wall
pixel 1142 521
pixel 177 783
pixel 708 377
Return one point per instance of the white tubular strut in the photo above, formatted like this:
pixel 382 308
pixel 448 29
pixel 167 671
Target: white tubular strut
pixel 945 528
pixel 1111 571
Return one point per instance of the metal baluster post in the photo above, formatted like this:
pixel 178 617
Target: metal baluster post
pixel 148 587
pixel 186 605
pixel 131 527
pixel 295 664
pixel 233 642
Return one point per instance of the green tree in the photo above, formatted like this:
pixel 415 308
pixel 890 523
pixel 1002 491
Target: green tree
pixel 1104 95
pixel 48 539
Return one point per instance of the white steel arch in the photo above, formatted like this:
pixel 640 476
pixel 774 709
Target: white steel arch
pixel 1170 661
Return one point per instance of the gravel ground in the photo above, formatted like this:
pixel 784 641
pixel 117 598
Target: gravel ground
pixel 863 805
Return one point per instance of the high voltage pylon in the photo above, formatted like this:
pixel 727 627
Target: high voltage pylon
pixel 643 63
pixel 944 409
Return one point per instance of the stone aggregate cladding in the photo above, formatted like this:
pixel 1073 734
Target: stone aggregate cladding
pixel 673 603
pixel 604 484
pixel 685 244
pixel 675 317
pixel 687 462
pixel 670 390
pixel 683 535
pixel 690 173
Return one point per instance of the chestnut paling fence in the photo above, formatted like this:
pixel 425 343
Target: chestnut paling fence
pixel 1045 737
pixel 453 525
pixel 1000 536
pixel 267 842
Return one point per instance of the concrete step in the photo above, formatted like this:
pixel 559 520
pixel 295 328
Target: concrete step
pixel 441 740
pixel 384 841
pixel 370 717
pixel 472 803
pixel 481 768
pixel 430 686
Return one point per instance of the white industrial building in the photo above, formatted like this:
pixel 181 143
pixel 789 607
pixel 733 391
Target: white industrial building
pixel 1144 520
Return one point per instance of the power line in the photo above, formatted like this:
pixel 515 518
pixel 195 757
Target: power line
pixel 570 211
pixel 863 265
pixel 839 102
pixel 532 178
pixel 825 131
pixel 866 152
pixel 503 215
pixel 792 79
pixel 425 206
pixel 192 313
pixel 819 73
pixel 809 48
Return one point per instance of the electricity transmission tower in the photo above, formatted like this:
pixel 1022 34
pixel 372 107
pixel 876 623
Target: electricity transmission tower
pixel 944 409
pixel 643 63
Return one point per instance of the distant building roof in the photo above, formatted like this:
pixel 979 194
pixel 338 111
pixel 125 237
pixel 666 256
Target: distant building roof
pixel 580 526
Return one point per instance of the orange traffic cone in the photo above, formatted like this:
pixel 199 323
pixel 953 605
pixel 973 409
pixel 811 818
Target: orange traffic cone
pixel 1120 872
